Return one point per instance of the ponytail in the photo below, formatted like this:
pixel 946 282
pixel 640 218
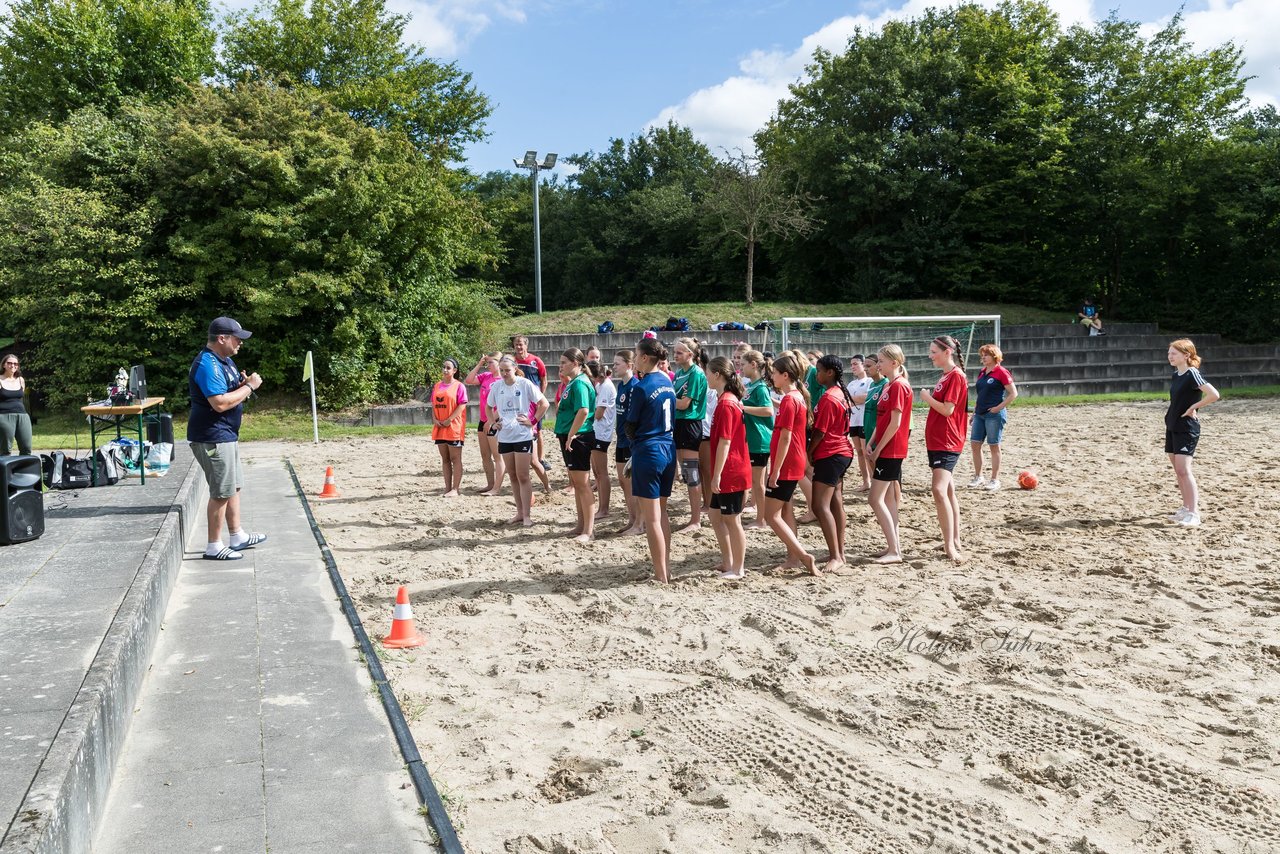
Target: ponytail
pixel 948 342
pixel 723 366
pixel 836 364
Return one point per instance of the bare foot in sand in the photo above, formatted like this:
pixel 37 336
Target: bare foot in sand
pixel 733 576
pixel 583 538
pixel 807 519
pixel 833 564
pixel 489 493
pixel 603 514
pixel 811 564
pixel 692 526
pixel 790 563
pixel 887 557
pixel 453 493
pixel 755 526
pixel 633 531
pixel 516 520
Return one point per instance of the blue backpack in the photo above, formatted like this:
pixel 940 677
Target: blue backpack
pixel 605 328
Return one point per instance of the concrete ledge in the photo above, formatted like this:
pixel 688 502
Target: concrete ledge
pixel 66 797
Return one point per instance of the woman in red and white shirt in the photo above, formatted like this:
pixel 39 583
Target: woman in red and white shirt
pixel 944 435
pixel 888 448
pixel 730 466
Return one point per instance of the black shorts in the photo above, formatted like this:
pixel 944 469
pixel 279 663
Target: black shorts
pixel 1183 444
pixel 452 443
pixel 783 491
pixel 576 453
pixel 830 470
pixel 621 455
pixel 760 461
pixel 688 434
pixel 887 470
pixel 600 444
pixel 728 503
pixel 515 447
pixel 857 432
pixel 480 428
pixel 945 460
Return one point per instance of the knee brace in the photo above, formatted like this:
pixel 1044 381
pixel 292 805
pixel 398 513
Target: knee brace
pixel 689 472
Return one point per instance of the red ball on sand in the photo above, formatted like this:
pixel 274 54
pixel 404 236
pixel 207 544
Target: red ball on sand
pixel 1027 479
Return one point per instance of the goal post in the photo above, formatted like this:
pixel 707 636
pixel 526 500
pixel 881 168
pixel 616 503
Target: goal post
pixel 847 336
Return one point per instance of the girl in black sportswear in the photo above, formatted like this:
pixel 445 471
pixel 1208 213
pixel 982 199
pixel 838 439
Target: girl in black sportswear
pixel 1188 392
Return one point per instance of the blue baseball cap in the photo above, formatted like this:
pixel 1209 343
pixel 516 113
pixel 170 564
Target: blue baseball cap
pixel 227 326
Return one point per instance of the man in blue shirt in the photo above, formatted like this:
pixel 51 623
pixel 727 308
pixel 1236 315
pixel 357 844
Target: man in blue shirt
pixel 218 391
pixel 1090 317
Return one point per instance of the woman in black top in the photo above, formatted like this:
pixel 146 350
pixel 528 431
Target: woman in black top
pixel 1188 392
pixel 14 421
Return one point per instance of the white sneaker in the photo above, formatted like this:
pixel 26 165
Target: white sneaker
pixel 1180 515
pixel 992 485
pixel 977 482
pixel 1190 520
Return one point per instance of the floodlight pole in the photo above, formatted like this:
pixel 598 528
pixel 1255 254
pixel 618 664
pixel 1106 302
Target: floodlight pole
pixel 531 163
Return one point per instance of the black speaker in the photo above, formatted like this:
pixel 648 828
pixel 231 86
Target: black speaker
pixel 21 504
pixel 160 429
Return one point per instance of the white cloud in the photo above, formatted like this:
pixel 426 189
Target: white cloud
pixel 725 115
pixel 1254 26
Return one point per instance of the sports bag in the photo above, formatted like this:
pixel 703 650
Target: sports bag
pixel 605 328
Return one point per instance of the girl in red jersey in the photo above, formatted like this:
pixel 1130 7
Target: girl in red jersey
pixel 787 459
pixel 888 448
pixel 449 408
pixel 831 454
pixel 944 432
pixel 730 467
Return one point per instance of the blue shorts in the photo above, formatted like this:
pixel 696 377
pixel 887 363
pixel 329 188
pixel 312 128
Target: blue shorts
pixel 989 427
pixel 653 469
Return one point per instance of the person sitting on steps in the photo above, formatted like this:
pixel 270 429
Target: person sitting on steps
pixel 1089 316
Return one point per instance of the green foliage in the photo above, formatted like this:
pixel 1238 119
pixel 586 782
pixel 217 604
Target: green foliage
pixel 57 56
pixel 261 202
pixel 990 154
pixel 353 50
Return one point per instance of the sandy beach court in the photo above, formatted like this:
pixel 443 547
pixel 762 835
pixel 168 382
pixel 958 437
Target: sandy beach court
pixel 1094 679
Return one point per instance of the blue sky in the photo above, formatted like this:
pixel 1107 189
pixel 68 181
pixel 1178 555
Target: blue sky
pixel 567 75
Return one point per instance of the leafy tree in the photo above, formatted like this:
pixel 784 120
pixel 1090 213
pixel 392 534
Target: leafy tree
pixel 123 237
pixel 752 201
pixel 57 56
pixel 354 51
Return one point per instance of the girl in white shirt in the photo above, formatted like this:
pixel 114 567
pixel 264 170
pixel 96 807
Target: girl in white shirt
pixel 515 404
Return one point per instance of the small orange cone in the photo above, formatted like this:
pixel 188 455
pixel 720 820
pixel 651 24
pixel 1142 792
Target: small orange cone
pixel 330 488
pixel 404 634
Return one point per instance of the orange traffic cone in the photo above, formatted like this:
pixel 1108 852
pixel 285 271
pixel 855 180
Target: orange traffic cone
pixel 330 488
pixel 404 634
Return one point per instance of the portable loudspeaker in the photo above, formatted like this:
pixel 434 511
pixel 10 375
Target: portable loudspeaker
pixel 21 504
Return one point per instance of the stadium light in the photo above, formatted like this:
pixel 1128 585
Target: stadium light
pixel 531 163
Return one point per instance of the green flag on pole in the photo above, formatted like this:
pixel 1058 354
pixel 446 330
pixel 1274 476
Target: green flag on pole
pixel 306 368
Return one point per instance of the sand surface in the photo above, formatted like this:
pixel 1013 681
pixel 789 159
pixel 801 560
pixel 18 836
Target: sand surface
pixel 1094 679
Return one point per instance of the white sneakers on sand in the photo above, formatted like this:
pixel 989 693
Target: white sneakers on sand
pixel 977 482
pixel 992 485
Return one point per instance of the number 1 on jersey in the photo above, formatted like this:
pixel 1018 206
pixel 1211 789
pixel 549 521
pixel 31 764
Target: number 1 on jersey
pixel 666 415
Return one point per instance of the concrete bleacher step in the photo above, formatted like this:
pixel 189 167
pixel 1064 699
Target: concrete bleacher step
pixel 1156 383
pixel 1134 368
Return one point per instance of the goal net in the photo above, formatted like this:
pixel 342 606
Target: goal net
pixel 849 336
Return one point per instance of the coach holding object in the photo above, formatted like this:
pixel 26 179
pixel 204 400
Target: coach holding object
pixel 218 392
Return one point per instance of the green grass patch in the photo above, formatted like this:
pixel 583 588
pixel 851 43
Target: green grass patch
pixel 633 318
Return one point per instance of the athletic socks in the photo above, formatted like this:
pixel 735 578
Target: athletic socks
pixel 213 548
pixel 238 538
